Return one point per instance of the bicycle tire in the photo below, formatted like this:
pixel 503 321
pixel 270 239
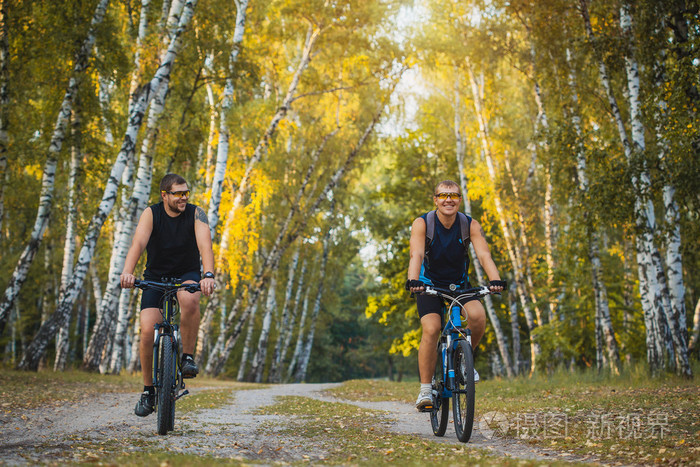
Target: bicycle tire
pixel 166 401
pixel 440 414
pixel 463 395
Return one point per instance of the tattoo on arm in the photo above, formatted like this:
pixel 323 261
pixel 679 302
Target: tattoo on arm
pixel 200 215
pixel 483 234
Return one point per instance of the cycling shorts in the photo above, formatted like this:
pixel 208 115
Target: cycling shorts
pixel 430 304
pixel 154 298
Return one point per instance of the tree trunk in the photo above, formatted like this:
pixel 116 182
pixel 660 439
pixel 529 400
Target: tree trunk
pixel 38 347
pixel 291 368
pixel 260 149
pixel 283 324
pixel 300 374
pixel 605 334
pixel 258 365
pixel 286 237
pixel 49 173
pixel 242 367
pixel 517 266
pixel 63 341
pixel 696 328
pixel 493 317
pixel 227 102
pixel 514 326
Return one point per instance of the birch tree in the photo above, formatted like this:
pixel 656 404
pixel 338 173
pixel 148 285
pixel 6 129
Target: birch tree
pixel 285 325
pixel 81 63
pixel 258 364
pixel 493 317
pixel 38 347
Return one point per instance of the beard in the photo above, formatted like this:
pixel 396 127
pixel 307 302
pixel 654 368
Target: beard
pixel 177 205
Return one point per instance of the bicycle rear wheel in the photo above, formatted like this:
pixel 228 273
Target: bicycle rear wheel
pixel 166 401
pixel 441 411
pixel 463 395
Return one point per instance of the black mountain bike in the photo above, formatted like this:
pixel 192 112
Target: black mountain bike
pixel 167 374
pixel 454 370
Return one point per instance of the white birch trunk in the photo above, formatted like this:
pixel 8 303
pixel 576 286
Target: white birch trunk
pixel 62 341
pixel 21 270
pixel 514 326
pixel 242 367
pixel 282 326
pixel 602 306
pixel 213 114
pixel 695 338
pixel 517 267
pixel 305 356
pixel 134 364
pixel 258 365
pixel 136 75
pixel 493 317
pixel 300 337
pixel 38 346
pixel 227 102
pixel 311 37
pixel 101 352
pixel 286 237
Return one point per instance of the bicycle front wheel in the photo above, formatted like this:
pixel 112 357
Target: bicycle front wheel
pixel 463 394
pixel 440 414
pixel 166 401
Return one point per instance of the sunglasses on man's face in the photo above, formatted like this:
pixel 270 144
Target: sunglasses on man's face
pixel 179 194
pixel 444 196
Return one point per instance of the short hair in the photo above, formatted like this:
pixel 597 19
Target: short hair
pixel 169 180
pixel 447 184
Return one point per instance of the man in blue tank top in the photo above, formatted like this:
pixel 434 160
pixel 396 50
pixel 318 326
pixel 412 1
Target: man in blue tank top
pixel 175 235
pixel 445 263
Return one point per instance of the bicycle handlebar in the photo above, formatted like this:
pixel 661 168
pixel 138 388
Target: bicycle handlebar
pixel 474 293
pixel 175 284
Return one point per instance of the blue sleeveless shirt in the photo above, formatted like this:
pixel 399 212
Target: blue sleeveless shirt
pixel 446 263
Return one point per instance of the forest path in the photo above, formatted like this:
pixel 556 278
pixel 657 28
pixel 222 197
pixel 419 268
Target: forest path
pixel 99 429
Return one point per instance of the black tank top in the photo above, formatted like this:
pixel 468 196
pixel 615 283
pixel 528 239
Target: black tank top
pixel 446 263
pixel 172 249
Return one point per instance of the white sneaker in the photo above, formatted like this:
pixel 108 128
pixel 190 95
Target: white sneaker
pixel 425 399
pixel 476 376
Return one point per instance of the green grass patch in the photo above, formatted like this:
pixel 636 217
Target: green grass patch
pixel 375 390
pixel 630 418
pixel 25 390
pixel 168 459
pixel 203 400
pixel 357 436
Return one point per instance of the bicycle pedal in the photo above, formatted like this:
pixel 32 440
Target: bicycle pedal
pixel 427 408
pixel 183 393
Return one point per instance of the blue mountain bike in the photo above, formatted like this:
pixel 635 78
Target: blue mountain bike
pixel 454 370
pixel 167 374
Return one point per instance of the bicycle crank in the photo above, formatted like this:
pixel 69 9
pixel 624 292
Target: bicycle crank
pixel 183 393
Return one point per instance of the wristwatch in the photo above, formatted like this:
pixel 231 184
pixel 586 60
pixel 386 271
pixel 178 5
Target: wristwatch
pixel 208 275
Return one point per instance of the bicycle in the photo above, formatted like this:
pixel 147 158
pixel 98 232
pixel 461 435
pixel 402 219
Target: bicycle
pixel 167 374
pixel 454 369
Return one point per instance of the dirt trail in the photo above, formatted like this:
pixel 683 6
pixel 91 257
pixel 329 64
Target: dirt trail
pixel 79 431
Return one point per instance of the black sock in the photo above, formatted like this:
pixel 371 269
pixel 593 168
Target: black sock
pixel 185 355
pixel 149 389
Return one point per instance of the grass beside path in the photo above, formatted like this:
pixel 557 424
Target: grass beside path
pixel 629 419
pixel 355 436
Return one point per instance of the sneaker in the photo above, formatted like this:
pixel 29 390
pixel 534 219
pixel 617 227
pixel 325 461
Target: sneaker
pixel 424 401
pixel 476 376
pixel 145 405
pixel 189 367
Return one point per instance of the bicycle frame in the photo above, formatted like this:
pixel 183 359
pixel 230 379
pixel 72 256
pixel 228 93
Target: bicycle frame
pixel 166 329
pixel 451 334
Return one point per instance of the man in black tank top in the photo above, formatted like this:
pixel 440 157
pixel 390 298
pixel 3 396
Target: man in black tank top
pixel 175 235
pixel 446 255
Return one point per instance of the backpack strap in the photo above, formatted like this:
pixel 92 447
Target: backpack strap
pixel 465 223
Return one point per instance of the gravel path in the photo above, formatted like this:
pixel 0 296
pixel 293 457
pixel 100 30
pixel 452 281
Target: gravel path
pixel 85 431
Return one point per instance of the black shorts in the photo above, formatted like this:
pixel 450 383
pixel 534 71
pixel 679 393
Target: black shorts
pixel 430 304
pixel 154 298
